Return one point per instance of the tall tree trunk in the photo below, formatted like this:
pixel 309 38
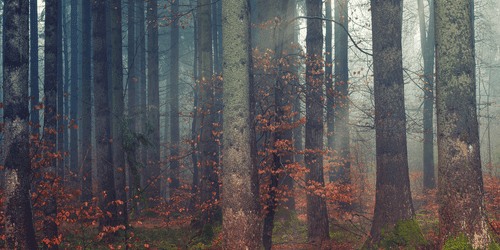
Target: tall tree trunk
pixel 86 181
pixel 282 158
pixel 241 224
pixel 66 84
pixel 427 46
pixel 117 109
pixel 19 231
pixel 141 54
pixel 60 94
pixel 341 98
pixel 393 204
pixel 196 121
pixel 330 91
pixel 35 114
pixel 317 217
pixel 209 185
pixel 174 104
pixel 460 183
pixel 102 120
pixel 50 120
pixel 74 89
pixel 132 79
pixel 153 164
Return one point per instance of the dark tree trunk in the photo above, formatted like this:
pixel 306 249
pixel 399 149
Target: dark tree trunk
pixel 19 231
pixel 241 224
pixel 35 114
pixel 427 45
pixel 174 104
pixel 50 121
pixel 342 98
pixel 73 168
pixel 153 164
pixel 141 54
pixel 462 212
pixel 102 120
pixel 86 181
pixel 209 185
pixel 330 91
pixel 393 204
pixel 196 121
pixel 117 107
pixel 317 217
pixel 60 94
pixel 132 79
pixel 66 84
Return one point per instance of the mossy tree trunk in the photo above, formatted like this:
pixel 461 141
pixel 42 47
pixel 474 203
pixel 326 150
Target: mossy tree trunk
pixel 460 181
pixel 17 162
pixel 241 224
pixel 393 201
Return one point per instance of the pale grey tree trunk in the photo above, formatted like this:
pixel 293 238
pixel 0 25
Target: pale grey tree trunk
pixel 241 224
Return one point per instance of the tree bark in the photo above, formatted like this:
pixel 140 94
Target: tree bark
pixel 102 120
pixel 153 164
pixel 317 217
pixel 73 167
pixel 209 186
pixel 35 95
pixel 117 107
pixel 330 91
pixel 174 104
pixel 132 79
pixel 86 181
pixel 60 94
pixel 19 231
pixel 341 136
pixel 427 45
pixel 50 120
pixel 241 224
pixel 393 203
pixel 460 182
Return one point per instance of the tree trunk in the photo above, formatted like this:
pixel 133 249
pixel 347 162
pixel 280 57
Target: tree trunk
pixel 73 168
pixel 241 224
pixel 50 121
pixel 102 120
pixel 196 121
pixel 153 164
pixel 330 91
pixel 317 217
pixel 117 107
pixel 174 104
pixel 427 45
pixel 86 181
pixel 342 99
pixel 19 231
pixel 60 94
pixel 35 114
pixel 132 78
pixel 460 183
pixel 141 54
pixel 393 204
pixel 209 185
